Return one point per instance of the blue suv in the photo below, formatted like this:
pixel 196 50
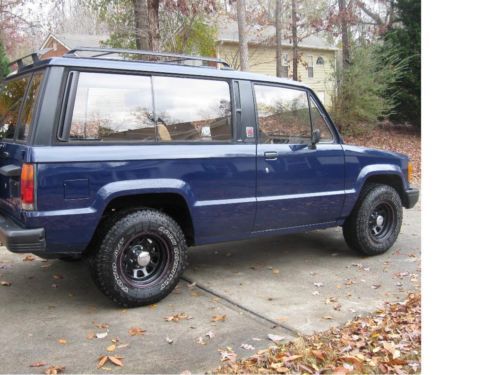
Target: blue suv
pixel 127 158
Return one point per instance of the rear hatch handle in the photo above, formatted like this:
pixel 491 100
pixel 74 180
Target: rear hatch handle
pixel 10 170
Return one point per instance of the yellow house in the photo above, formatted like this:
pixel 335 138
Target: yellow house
pixel 317 59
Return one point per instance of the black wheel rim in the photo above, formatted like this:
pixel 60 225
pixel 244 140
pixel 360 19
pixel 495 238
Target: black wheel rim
pixel 144 259
pixel 382 221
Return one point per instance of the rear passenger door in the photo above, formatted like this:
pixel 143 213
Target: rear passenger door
pixel 297 185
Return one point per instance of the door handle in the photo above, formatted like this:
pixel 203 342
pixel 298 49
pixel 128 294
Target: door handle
pixel 270 155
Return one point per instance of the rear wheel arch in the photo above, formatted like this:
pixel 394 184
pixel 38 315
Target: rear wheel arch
pixel 172 204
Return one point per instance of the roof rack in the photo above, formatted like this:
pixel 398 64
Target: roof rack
pixel 34 56
pixel 129 54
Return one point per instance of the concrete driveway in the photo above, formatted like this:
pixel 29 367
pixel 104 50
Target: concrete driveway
pixel 285 286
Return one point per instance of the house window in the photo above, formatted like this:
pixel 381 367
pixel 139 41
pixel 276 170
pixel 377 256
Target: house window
pixel 310 68
pixel 284 65
pixel 320 61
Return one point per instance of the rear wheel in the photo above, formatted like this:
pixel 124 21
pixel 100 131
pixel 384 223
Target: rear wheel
pixel 140 258
pixel 375 222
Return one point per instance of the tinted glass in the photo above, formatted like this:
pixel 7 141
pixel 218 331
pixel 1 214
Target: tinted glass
pixel 192 109
pixel 29 106
pixel 283 115
pixel 11 97
pixel 113 107
pixel 318 122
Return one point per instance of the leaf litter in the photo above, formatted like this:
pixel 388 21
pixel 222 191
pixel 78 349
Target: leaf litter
pixel 386 341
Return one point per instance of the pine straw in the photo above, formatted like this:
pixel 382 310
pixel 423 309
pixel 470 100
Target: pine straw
pixel 387 341
pixel 393 138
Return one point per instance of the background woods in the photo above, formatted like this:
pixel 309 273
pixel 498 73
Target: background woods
pixel 373 74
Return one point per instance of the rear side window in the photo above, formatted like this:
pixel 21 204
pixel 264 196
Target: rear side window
pixel 190 109
pixel 283 115
pixel 112 107
pixel 29 106
pixel 11 98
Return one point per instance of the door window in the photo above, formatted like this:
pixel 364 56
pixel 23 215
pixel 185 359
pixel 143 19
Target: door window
pixel 283 115
pixel 318 122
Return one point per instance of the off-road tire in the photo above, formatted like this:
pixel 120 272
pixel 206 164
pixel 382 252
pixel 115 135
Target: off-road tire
pixel 111 241
pixel 356 229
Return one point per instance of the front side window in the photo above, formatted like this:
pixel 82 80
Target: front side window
pixel 283 115
pixel 11 98
pixel 29 106
pixel 113 107
pixel 318 122
pixel 189 109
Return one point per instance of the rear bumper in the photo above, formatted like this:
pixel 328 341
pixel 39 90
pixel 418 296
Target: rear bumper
pixel 21 240
pixel 411 197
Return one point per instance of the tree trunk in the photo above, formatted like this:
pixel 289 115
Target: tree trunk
pixel 243 37
pixel 344 30
pixel 278 38
pixel 141 24
pixel 295 43
pixel 154 25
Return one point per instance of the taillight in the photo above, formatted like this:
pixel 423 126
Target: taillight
pixel 28 187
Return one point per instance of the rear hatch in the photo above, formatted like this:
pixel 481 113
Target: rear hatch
pixel 18 98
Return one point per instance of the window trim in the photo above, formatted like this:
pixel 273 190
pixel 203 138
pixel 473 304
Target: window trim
pixel 66 113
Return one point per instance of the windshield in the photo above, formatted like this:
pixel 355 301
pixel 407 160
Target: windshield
pixel 11 97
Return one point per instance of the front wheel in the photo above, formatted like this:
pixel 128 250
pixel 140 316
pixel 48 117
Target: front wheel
pixel 375 222
pixel 140 258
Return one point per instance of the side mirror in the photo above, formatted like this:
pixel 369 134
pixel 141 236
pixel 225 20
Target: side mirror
pixel 315 138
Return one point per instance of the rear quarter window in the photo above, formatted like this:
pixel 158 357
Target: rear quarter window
pixel 112 107
pixel 25 122
pixel 11 98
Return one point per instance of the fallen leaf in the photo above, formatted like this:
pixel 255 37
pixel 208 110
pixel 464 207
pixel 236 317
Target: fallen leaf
pixel 276 271
pixel 38 364
pixel 200 341
pixel 5 283
pixel 247 347
pixel 318 354
pixel 54 370
pixel 319 285
pixel 101 335
pixel 102 361
pixel 315 293
pixel 136 331
pixel 227 355
pixel 28 258
pixel 376 286
pixel 62 341
pixel 218 318
pixel 116 360
pixel 210 334
pixel 275 338
pixel 169 340
pixel 57 277
pixel 327 317
pixel 177 317
pixel 292 358
pixel 111 348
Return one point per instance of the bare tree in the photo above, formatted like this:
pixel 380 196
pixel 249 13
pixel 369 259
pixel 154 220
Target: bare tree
pixel 344 31
pixel 141 24
pixel 279 7
pixel 154 24
pixel 295 43
pixel 242 33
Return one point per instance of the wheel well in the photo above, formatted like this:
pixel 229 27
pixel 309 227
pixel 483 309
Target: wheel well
pixel 390 180
pixel 172 204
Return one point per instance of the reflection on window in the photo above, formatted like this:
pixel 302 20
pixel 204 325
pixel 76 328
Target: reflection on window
pixel 29 106
pixel 11 97
pixel 192 109
pixel 318 122
pixel 283 115
pixel 113 107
